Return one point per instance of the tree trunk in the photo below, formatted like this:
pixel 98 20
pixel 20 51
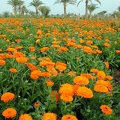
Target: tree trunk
pixel 36 11
pixel 64 9
pixel 19 9
pixel 86 10
pixel 15 10
pixel 90 15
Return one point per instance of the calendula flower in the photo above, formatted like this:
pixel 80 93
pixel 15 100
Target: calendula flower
pixel 84 92
pixel 93 70
pixel 81 80
pixel 87 49
pixel 60 66
pixel 44 49
pixel 66 89
pixel 49 83
pixel 66 97
pixel 13 70
pixel 2 62
pixel 101 75
pixel 108 77
pixel 18 54
pixel 35 74
pixel 36 104
pixel 31 66
pixel 32 49
pixel 101 88
pixel 69 117
pixel 10 49
pixel 106 109
pixel 9 113
pixel 25 117
pixel 8 96
pixel 21 59
pixel 106 64
pixel 49 116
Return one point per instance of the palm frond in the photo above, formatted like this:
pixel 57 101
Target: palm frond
pixel 98 1
pixel 79 2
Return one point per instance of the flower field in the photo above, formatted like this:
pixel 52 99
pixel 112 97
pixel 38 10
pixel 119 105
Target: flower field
pixel 59 69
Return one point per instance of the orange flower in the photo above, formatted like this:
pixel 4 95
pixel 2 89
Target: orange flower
pixel 87 49
pixel 49 116
pixel 32 49
pixel 118 51
pixel 106 64
pixel 45 74
pixel 21 59
pixel 49 83
pixel 106 44
pixel 31 66
pixel 18 54
pixel 2 62
pixel 9 113
pixel 101 88
pixel 93 70
pixel 66 89
pixel 84 92
pixel 39 32
pixel 36 104
pixel 11 49
pixel 108 77
pixel 75 88
pixel 66 97
pixel 60 66
pixel 89 42
pixel 25 117
pixel 69 117
pixel 101 75
pixel 106 109
pixel 8 96
pixel 81 80
pixel 13 70
pixel 87 75
pixel 44 49
pixel 35 74
pixel 99 51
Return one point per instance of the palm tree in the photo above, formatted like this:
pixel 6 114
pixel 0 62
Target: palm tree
pixel 44 10
pixel 20 3
pixel 65 4
pixel 118 9
pixel 86 6
pixel 14 4
pixel 102 14
pixel 91 8
pixel 36 4
pixel 24 10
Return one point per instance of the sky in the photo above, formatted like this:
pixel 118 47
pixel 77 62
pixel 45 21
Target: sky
pixel 108 5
